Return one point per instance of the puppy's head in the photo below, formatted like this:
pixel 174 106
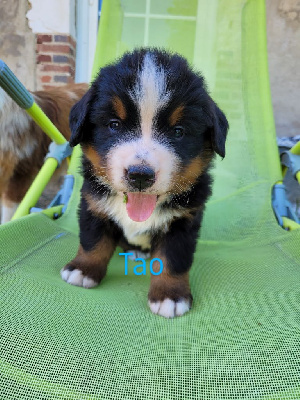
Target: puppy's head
pixel 148 127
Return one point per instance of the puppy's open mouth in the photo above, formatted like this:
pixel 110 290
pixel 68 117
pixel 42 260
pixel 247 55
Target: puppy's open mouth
pixel 140 205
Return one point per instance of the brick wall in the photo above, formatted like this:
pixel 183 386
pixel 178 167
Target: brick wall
pixel 55 60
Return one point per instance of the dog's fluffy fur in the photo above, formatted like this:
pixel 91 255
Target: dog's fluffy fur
pixel 23 145
pixel 148 129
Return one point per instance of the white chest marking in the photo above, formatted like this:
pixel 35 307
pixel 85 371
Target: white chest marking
pixel 136 233
pixel 150 94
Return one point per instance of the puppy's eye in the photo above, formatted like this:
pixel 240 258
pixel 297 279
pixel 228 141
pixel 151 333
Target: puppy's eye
pixel 178 132
pixel 114 125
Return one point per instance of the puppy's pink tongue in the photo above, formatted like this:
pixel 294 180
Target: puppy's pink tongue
pixel 140 206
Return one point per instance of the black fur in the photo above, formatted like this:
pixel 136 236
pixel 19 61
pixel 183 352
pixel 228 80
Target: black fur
pixel 90 117
pixel 93 229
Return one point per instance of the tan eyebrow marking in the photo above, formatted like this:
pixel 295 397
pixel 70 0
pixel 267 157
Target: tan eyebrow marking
pixel 119 107
pixel 176 115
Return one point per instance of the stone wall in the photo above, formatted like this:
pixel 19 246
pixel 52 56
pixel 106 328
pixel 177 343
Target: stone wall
pixel 38 46
pixel 17 42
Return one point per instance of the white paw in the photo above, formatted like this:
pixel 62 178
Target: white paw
pixel 170 308
pixel 137 254
pixel 76 278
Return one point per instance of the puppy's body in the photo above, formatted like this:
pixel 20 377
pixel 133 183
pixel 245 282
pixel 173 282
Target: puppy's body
pixel 23 145
pixel 149 131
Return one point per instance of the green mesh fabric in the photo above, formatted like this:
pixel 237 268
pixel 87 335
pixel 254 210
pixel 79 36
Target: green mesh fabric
pixel 241 338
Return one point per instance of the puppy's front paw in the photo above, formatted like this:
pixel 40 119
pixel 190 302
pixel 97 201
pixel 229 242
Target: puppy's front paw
pixel 169 308
pixel 170 295
pixel 76 277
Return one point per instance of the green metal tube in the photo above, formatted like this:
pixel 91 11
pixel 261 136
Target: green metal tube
pixel 37 188
pixel 16 90
pixel 44 122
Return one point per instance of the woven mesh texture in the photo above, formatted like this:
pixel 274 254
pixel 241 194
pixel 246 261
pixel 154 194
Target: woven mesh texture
pixel 241 340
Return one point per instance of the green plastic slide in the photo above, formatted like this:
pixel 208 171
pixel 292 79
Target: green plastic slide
pixel 241 340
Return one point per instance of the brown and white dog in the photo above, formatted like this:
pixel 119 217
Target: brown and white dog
pixel 23 145
pixel 149 132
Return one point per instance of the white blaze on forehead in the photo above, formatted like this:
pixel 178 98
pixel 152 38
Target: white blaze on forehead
pixel 150 93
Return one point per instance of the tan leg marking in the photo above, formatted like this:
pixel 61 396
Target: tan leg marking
pixel 169 294
pixel 88 268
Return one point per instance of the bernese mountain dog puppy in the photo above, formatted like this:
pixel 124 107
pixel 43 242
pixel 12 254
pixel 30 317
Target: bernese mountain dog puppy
pixel 149 132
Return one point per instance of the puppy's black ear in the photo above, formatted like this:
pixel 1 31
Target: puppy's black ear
pixel 78 119
pixel 218 130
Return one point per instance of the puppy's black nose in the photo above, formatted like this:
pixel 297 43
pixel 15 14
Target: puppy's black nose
pixel 140 176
